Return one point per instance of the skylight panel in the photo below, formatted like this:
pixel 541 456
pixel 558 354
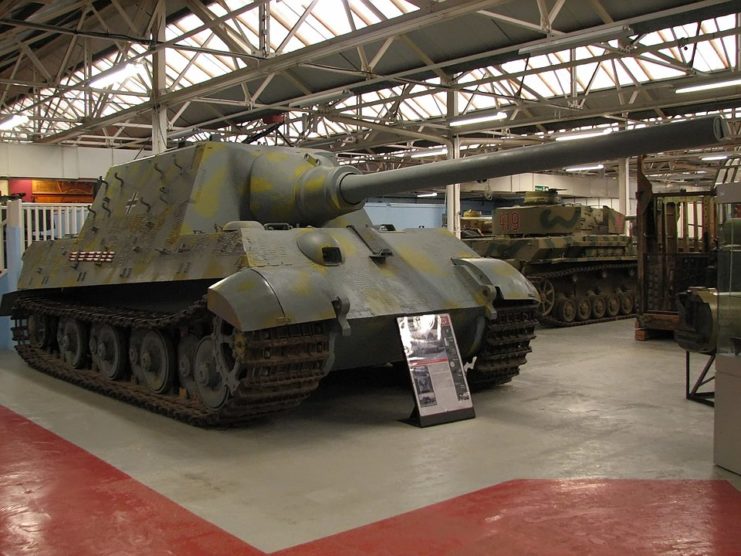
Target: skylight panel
pixel 391 9
pixel 516 66
pixel 478 102
pixel 537 62
pixel 426 105
pixel 636 69
pixel 332 20
pixel 364 13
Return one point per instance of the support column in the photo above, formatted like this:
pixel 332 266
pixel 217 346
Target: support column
pixel 453 195
pixel 159 112
pixel 453 191
pixel 624 185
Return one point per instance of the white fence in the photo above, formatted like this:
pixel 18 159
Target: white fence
pixel 40 221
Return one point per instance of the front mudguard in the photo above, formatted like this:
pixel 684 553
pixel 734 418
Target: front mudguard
pixel 253 299
pixel 500 279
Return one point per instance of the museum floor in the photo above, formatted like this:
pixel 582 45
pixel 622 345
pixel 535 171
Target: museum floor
pixel 592 449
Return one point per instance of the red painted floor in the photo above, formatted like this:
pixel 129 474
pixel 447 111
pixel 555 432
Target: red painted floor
pixel 574 517
pixel 56 498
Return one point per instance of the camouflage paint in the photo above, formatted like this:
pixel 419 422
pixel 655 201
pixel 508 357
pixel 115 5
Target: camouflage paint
pixel 180 216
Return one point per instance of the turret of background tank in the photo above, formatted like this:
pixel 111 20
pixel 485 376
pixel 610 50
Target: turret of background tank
pixel 578 257
pixel 222 281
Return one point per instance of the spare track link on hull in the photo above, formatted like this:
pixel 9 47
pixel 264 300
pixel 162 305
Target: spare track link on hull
pixel 507 343
pixel 270 387
pixel 550 321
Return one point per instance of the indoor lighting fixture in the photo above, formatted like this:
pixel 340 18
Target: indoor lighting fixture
pixel 433 194
pixel 573 40
pixel 431 152
pixel 116 76
pixel 585 168
pixel 13 122
pixel 479 119
pixel 715 157
pixel 575 136
pixel 708 86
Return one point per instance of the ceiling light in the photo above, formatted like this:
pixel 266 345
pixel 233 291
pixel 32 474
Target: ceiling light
pixel 708 86
pixel 577 39
pixel 430 152
pixel 575 136
pixel 715 157
pixel 478 119
pixel 585 168
pixel 117 76
pixel 14 121
pixel 433 194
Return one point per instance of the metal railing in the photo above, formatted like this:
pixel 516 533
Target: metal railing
pixel 43 221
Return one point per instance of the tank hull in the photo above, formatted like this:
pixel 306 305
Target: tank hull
pixel 581 278
pixel 311 312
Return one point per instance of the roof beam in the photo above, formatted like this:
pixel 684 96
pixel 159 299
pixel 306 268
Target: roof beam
pixel 380 31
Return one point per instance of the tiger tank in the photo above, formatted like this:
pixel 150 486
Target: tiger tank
pixel 221 282
pixel 577 256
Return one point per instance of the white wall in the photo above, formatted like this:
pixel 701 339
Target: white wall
pixel 406 215
pixel 595 191
pixel 55 161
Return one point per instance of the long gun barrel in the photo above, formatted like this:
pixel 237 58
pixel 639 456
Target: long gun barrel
pixel 355 188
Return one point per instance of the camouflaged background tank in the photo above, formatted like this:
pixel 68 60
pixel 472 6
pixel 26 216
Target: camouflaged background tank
pixel 222 281
pixel 578 257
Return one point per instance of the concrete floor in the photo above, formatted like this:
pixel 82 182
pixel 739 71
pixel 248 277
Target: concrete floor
pixel 591 402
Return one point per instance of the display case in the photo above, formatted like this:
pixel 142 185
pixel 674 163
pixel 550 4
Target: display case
pixel 728 361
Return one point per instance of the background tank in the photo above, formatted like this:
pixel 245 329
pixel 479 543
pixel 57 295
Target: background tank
pixel 578 257
pixel 222 281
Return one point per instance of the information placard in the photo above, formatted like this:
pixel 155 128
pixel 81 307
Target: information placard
pixel 439 381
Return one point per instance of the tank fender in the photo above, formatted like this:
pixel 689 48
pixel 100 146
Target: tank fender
pixel 509 283
pixel 253 299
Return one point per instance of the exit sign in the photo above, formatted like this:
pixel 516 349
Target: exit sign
pixel 541 188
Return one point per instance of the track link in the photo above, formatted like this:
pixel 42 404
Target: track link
pixel 506 345
pixel 283 365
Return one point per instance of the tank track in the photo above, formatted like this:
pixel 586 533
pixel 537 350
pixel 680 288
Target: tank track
pixel 556 323
pixel 506 345
pixel 273 384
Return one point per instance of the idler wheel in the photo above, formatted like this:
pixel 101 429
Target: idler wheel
pixel 40 330
pixel 612 305
pixel 583 308
pixel 599 306
pixel 72 337
pixel 209 382
pixel 627 302
pixel 566 310
pixel 152 358
pixel 109 352
pixel 547 295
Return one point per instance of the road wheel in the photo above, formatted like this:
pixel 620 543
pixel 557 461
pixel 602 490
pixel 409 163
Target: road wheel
pixel 566 310
pixel 612 305
pixel 583 308
pixel 599 306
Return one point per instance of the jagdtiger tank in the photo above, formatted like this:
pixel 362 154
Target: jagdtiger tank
pixel 221 281
pixel 578 257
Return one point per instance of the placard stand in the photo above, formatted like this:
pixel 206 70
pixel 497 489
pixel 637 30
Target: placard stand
pixel 441 391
